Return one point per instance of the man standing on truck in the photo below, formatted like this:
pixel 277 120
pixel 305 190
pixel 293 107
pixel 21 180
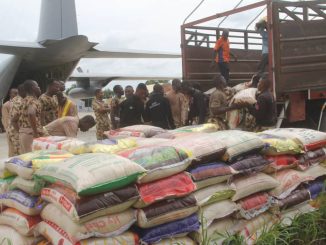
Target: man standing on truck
pixel 222 53
pixel 261 28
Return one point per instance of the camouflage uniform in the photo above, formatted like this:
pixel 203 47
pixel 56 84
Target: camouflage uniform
pixel 218 99
pixel 13 134
pixel 102 119
pixel 25 129
pixel 115 112
pixel 49 108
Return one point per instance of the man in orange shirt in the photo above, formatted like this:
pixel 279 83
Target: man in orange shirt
pixel 222 53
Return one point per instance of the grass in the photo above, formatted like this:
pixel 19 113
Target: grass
pixel 306 229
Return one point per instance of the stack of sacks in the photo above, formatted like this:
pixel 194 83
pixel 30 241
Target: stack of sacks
pixel 144 131
pixel 165 208
pixel 296 156
pixel 250 200
pixel 22 196
pixel 104 146
pixel 55 143
pixel 89 197
pixel 214 195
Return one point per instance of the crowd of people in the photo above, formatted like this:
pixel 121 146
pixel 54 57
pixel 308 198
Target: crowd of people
pixel 28 114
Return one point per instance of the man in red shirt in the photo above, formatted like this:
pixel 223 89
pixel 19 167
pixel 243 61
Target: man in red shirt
pixel 222 53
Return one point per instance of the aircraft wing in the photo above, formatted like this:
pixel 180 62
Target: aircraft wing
pixel 18 48
pixel 128 53
pixel 109 77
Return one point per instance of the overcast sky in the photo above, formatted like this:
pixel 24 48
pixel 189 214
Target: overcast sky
pixel 143 24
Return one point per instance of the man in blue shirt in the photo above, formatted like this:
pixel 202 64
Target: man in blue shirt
pixel 261 28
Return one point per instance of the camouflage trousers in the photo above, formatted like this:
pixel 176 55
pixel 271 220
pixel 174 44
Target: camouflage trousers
pixel 221 123
pixel 100 129
pixel 13 141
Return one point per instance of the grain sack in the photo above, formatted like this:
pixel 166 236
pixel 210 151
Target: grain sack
pixel 53 233
pixel 5 183
pixel 174 186
pixel 176 241
pixel 159 161
pixel 288 215
pixel 141 142
pixel 55 143
pixel 135 131
pixel 238 143
pixel 94 173
pixel 105 226
pixel 49 157
pixel 169 230
pixel 127 238
pixel 203 147
pixel 212 173
pixel 254 227
pixel 316 187
pixel 20 200
pixel 250 164
pixel 247 96
pixel 22 223
pixel 166 211
pixel 104 146
pixel 4 173
pixel 214 193
pixel 22 165
pixel 281 162
pixel 254 205
pixel 246 186
pixel 82 209
pixel 278 145
pixel 217 210
pixel 311 158
pixel 10 236
pixel 311 139
pixel 31 187
pixel 201 128
pixel 295 198
pixel 316 171
pixel 289 179
pixel 234 118
pixel 173 134
pixel 216 232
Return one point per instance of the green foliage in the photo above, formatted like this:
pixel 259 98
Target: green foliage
pixel 151 82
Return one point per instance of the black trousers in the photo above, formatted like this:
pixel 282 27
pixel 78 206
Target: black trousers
pixel 263 63
pixel 225 71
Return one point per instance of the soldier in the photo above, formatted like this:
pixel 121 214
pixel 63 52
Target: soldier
pixel 6 108
pixel 101 111
pixel 49 103
pixel 218 104
pixel 68 126
pixel 178 103
pixel 13 130
pixel 30 117
pixel 115 106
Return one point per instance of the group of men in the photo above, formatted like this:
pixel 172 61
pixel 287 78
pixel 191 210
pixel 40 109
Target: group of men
pixel 181 106
pixel 28 114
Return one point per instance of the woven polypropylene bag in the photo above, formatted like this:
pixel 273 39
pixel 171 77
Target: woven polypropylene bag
pixel 90 174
